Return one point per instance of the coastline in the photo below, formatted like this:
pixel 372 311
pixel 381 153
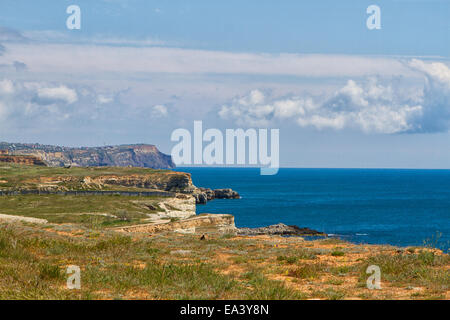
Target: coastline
pixel 397 207
pixel 143 246
pixel 173 265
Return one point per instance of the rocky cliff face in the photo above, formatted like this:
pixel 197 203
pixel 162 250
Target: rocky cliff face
pixel 279 229
pixel 168 181
pixel 220 222
pixel 203 195
pixel 26 160
pixel 141 155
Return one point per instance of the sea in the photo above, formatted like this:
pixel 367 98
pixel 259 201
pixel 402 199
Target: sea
pixel 375 206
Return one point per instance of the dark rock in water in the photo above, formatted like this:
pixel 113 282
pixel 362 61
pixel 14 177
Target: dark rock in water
pixel 226 194
pixel 203 195
pixel 209 193
pixel 279 229
pixel 200 197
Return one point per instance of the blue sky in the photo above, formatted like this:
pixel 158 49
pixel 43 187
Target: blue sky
pixel 324 26
pixel 341 95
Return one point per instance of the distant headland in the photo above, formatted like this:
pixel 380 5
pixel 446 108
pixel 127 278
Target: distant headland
pixel 134 155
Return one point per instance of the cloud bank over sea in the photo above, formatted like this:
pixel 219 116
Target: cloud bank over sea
pixel 100 89
pixel 370 105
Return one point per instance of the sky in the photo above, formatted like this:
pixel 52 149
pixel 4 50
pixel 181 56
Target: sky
pixel 340 94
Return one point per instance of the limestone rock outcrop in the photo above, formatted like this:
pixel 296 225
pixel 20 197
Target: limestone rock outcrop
pixel 220 222
pixel 203 195
pixel 26 160
pixel 168 181
pixel 279 229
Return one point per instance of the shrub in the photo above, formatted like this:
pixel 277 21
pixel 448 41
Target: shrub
pixel 49 272
pixel 307 271
pixel 337 253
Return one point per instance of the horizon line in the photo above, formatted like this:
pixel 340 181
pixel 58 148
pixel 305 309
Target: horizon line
pixel 315 168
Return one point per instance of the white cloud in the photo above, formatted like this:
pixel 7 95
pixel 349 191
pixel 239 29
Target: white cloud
pixel 103 99
pixel 436 96
pixel 159 111
pixel 26 103
pixel 369 106
pixel 435 71
pixel 7 34
pixel 6 87
pixel 63 38
pixel 32 104
pixel 81 59
pixel 51 95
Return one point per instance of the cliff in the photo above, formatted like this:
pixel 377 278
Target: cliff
pixel 26 160
pixel 126 179
pixel 219 222
pixel 139 155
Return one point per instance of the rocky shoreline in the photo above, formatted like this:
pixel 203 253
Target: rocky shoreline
pixel 177 192
pixel 203 195
pixel 279 229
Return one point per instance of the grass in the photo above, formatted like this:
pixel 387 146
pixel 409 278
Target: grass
pixel 95 211
pixel 301 254
pixel 338 253
pixel 19 172
pixel 289 260
pixel 307 271
pixel 104 210
pixel 33 262
pixel 34 258
pixel 49 272
pixel 22 177
pixel 330 294
pixel 413 269
pixel 269 289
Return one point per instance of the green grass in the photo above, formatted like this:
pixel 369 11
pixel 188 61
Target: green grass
pixel 342 270
pixel 338 253
pixel 330 294
pixel 95 211
pixel 421 269
pixel 49 272
pixel 21 171
pixel 33 264
pixel 162 281
pixel 289 260
pixel 301 254
pixel 269 289
pixel 307 271
pixel 21 177
pixel 91 210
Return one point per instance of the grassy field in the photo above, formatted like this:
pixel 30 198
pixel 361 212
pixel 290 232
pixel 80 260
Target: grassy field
pixel 19 177
pixel 33 260
pixel 115 265
pixel 91 211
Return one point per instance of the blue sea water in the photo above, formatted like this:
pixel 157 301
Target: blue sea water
pixel 377 206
